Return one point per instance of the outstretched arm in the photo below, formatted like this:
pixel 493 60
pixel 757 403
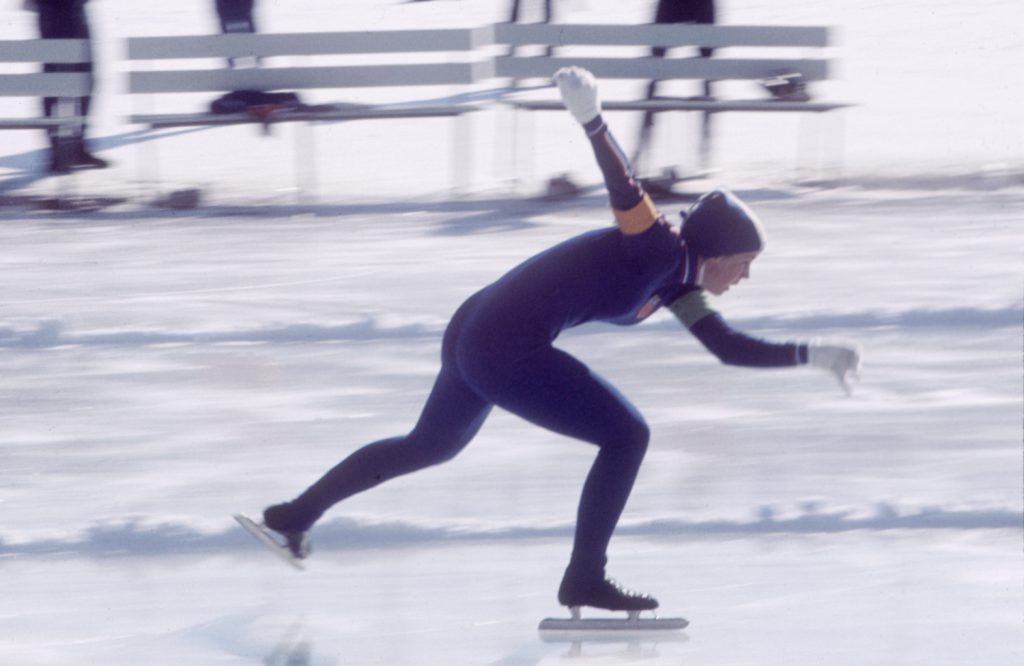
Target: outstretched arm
pixel 733 347
pixel 634 210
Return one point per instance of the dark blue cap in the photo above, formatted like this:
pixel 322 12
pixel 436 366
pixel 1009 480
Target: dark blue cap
pixel 720 224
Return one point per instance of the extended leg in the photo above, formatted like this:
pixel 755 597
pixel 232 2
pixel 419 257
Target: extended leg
pixel 704 146
pixel 646 128
pixel 451 418
pixel 235 15
pixel 647 124
pixel 67 143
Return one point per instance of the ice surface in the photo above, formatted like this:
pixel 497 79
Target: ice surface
pixel 871 598
pixel 164 369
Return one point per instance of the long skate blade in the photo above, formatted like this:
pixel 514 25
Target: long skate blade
pixel 612 627
pixel 263 536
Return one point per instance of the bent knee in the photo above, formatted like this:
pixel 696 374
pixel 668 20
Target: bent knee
pixel 640 436
pixel 630 438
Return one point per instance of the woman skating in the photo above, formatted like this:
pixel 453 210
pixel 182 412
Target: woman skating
pixel 498 350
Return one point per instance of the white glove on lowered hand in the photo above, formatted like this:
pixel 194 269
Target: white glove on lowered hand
pixel 842 360
pixel 578 88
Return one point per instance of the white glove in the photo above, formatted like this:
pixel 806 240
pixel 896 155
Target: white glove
pixel 578 88
pixel 842 360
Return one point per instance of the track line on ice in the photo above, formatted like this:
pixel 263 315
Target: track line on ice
pixel 188 292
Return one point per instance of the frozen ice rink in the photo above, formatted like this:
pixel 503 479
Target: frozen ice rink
pixel 163 369
pixel 898 597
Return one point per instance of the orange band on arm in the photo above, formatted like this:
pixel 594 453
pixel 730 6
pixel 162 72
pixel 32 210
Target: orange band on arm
pixel 637 219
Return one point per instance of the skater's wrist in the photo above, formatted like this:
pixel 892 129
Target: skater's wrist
pixel 594 126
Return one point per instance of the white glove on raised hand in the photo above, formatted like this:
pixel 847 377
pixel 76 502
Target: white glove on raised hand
pixel 578 88
pixel 842 360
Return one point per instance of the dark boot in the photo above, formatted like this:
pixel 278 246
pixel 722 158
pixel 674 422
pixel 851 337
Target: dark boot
pixel 277 518
pixel 81 158
pixel 590 587
pixel 61 155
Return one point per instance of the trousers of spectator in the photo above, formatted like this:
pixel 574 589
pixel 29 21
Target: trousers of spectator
pixel 66 20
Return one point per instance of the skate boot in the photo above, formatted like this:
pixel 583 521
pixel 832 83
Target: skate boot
pixel 277 518
pixel 83 159
pixel 592 588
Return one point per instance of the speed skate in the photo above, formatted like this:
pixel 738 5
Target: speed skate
pixel 264 536
pixel 634 623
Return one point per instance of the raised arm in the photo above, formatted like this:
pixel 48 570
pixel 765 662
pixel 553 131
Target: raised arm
pixel 633 208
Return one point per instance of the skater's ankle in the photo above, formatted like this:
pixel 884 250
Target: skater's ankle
pixel 285 518
pixel 586 565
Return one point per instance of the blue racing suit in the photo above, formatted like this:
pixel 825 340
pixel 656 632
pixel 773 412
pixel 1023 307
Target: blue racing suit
pixel 499 350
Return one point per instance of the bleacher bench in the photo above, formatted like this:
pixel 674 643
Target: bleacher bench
pixel 629 65
pixel 161 70
pixel 743 53
pixel 399 45
pixel 16 81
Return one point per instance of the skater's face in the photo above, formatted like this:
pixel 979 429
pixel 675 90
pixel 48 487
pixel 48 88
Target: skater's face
pixel 718 274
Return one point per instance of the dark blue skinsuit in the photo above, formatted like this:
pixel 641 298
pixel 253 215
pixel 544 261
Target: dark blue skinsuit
pixel 498 350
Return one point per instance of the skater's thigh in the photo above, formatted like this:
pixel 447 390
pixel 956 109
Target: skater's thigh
pixel 556 391
pixel 451 417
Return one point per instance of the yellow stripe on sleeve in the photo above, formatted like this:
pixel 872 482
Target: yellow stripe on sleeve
pixel 691 308
pixel 637 219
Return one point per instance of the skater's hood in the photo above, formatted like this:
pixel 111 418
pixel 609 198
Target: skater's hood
pixel 720 224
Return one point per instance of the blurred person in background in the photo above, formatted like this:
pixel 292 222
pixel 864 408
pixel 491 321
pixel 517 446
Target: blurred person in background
pixel 67 19
pixel 679 11
pixel 235 16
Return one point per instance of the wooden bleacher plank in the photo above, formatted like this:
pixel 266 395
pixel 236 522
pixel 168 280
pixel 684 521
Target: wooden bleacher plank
pixel 718 36
pixel 305 78
pixel 313 43
pixel 664 68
